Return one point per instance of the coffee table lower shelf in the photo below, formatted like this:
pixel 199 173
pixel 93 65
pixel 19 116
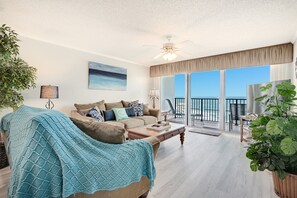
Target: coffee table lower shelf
pixel 143 132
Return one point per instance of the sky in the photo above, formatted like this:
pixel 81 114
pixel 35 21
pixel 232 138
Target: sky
pixel 207 84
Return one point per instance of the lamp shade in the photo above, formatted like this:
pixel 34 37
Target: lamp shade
pixel 154 93
pixel 49 92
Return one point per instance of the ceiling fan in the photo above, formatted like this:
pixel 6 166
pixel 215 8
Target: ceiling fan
pixel 170 51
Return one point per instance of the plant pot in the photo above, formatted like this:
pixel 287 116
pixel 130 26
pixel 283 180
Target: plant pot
pixel 286 188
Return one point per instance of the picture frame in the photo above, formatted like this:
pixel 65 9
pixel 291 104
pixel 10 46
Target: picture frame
pixel 107 77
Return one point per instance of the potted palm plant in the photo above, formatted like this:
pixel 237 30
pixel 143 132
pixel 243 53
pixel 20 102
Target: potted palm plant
pixel 275 138
pixel 15 74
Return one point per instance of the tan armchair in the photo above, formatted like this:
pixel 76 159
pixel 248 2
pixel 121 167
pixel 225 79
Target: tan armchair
pixel 134 190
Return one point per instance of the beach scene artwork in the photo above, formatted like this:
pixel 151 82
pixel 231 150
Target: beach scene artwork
pixel 107 77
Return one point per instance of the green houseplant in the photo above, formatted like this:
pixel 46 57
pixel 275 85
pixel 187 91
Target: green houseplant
pixel 275 138
pixel 15 74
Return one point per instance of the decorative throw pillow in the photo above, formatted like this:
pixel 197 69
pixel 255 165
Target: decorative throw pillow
pixel 84 112
pixel 120 113
pixel 109 115
pixel 101 131
pixel 146 110
pixel 96 114
pixel 138 108
pixel 99 104
pixel 130 112
pixel 126 103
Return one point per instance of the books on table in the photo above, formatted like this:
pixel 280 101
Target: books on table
pixel 159 127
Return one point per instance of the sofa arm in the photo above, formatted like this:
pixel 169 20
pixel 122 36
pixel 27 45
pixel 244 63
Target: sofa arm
pixel 155 112
pixel 155 142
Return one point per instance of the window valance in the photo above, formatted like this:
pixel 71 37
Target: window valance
pixel 277 54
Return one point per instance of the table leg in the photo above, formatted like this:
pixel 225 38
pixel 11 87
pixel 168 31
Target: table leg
pixel 182 138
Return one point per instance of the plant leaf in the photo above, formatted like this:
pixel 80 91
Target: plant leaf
pixel 288 146
pixel 272 128
pixel 254 166
pixel 259 99
pixel 281 174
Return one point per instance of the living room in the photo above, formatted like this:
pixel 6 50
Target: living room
pixel 60 39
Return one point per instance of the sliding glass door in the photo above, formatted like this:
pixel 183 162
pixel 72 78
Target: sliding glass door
pixel 203 99
pixel 237 81
pixel 204 103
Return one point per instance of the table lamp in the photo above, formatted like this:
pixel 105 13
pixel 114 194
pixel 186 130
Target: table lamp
pixel 154 94
pixel 49 92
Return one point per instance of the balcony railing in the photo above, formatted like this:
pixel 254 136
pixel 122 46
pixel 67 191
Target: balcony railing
pixel 207 107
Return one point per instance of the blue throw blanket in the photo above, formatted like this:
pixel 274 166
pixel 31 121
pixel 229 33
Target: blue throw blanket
pixel 51 157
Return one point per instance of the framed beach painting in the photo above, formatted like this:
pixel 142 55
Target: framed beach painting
pixel 107 77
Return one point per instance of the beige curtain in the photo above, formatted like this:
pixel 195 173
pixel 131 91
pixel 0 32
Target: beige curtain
pixel 277 54
pixel 282 72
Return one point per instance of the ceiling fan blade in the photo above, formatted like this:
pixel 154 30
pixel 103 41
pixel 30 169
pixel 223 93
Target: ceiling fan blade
pixel 150 46
pixel 183 54
pixel 184 43
pixel 159 55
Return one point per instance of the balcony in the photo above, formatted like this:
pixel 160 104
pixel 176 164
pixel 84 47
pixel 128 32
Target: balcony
pixel 207 107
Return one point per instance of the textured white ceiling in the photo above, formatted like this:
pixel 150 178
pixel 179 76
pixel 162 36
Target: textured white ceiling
pixel 121 28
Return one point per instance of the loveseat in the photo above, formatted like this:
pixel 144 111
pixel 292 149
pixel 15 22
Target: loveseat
pixel 150 116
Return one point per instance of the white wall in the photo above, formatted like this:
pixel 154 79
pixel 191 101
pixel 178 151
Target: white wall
pixel 68 69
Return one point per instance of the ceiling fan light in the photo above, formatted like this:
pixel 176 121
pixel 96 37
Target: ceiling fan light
pixel 169 56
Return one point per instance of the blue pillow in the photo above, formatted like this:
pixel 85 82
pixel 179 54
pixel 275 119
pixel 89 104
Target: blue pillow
pixel 138 108
pixel 109 115
pixel 95 113
pixel 130 112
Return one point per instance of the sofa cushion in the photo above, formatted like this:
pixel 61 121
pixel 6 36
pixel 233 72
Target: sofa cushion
pixel 130 112
pixel 138 108
pixel 146 110
pixel 120 113
pixel 96 114
pixel 101 131
pixel 84 112
pixel 132 123
pixel 99 104
pixel 155 112
pixel 126 103
pixel 109 106
pixel 147 119
pixel 109 115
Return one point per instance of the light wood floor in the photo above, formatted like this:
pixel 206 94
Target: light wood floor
pixel 208 167
pixel 205 167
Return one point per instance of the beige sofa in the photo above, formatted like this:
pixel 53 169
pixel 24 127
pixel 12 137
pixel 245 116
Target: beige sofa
pixel 150 116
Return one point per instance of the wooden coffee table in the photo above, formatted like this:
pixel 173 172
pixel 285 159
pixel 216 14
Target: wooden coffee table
pixel 143 132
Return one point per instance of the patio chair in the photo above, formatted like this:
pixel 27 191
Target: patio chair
pixel 172 110
pixel 236 111
pixel 176 114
